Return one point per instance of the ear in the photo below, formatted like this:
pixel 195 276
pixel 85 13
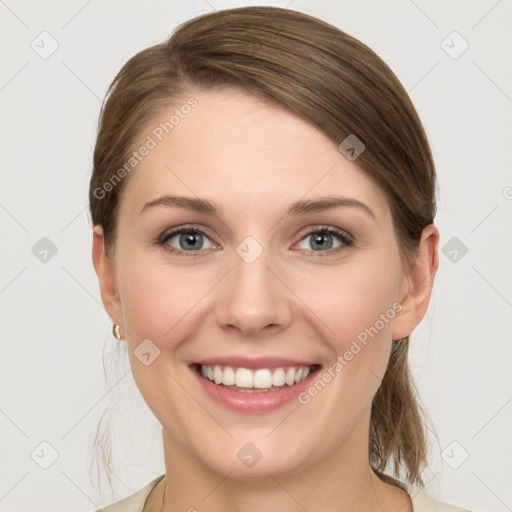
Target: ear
pixel 106 277
pixel 416 286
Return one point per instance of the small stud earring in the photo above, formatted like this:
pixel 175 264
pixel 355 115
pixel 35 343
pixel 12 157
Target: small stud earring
pixel 115 331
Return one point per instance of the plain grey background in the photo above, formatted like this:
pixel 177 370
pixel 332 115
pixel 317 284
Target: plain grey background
pixel 58 59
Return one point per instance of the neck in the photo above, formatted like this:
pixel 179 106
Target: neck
pixel 328 486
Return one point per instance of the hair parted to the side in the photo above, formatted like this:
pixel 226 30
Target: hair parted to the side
pixel 334 82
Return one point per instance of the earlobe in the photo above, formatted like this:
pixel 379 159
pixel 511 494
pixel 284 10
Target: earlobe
pixel 417 284
pixel 106 276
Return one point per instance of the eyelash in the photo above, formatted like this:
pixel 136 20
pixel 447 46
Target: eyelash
pixel 345 238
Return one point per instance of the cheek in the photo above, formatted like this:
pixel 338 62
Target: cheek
pixel 159 301
pixel 159 305
pixel 353 300
pixel 356 303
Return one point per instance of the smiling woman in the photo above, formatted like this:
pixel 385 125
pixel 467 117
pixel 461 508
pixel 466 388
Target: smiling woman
pixel 266 262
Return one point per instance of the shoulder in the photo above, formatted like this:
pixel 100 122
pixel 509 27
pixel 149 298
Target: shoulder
pixel 423 502
pixel 134 502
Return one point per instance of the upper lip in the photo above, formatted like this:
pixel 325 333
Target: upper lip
pixel 259 362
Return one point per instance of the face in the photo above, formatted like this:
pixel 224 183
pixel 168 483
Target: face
pixel 263 287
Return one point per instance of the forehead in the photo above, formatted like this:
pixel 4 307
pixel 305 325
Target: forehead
pixel 234 148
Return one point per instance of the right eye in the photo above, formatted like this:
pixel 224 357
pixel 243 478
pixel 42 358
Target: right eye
pixel 189 241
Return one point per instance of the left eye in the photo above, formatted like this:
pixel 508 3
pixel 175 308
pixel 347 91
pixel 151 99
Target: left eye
pixel 325 239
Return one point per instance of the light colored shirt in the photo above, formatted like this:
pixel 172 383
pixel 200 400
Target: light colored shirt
pixel 421 501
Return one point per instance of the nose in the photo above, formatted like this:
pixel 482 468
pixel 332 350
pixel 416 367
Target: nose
pixel 254 298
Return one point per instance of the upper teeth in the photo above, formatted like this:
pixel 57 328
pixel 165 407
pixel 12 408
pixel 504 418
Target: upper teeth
pixel 261 378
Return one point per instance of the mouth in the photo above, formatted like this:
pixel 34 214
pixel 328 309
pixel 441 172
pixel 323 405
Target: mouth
pixel 255 380
pixel 253 385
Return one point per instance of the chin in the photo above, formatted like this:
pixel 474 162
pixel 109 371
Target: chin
pixel 253 461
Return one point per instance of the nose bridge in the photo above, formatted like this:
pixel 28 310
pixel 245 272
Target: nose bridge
pixel 253 298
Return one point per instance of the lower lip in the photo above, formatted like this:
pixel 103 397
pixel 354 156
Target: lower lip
pixel 253 402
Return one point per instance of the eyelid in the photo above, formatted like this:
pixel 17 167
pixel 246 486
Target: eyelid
pixel 322 228
pixel 183 227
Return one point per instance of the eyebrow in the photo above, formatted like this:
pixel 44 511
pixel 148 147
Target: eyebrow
pixel 301 207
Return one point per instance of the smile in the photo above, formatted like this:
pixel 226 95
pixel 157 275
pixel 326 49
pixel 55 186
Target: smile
pixel 253 385
pixel 261 379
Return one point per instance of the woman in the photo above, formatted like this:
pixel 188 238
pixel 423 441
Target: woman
pixel 263 198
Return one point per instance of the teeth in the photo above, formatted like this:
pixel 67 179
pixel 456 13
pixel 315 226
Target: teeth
pixel 290 377
pixel 262 378
pixel 243 378
pixel 278 377
pixel 217 375
pixel 228 377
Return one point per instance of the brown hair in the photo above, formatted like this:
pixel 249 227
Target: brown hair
pixel 329 79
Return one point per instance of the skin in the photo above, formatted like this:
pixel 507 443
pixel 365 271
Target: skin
pixel 295 301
